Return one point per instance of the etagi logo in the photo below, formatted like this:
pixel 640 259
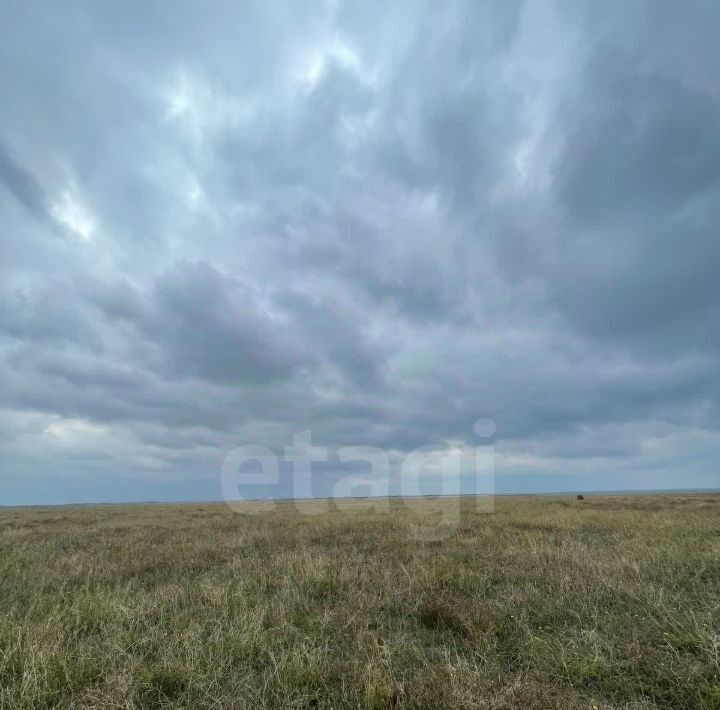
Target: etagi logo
pixel 457 476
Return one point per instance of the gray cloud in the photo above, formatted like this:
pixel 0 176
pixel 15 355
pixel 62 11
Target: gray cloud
pixel 228 224
pixel 211 328
pixel 22 184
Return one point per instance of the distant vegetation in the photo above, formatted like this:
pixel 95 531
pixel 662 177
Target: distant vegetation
pixel 547 603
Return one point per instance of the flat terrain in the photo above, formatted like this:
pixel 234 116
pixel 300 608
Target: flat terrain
pixel 608 602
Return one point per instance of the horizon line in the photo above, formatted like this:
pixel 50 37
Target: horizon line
pixel 521 494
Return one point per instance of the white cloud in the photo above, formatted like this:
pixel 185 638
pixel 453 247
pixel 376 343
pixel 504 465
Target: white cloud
pixel 72 214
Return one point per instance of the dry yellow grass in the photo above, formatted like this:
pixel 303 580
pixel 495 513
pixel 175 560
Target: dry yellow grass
pixel 609 602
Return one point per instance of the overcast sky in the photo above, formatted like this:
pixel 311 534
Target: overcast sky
pixel 223 223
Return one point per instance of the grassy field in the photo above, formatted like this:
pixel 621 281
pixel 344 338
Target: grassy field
pixel 608 602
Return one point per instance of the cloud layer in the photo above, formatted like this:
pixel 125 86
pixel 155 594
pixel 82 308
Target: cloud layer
pixel 229 222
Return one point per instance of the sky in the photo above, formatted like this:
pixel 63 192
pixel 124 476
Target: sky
pixel 227 223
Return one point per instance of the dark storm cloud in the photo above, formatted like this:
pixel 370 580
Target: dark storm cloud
pixel 229 223
pixel 647 136
pixel 639 178
pixel 211 328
